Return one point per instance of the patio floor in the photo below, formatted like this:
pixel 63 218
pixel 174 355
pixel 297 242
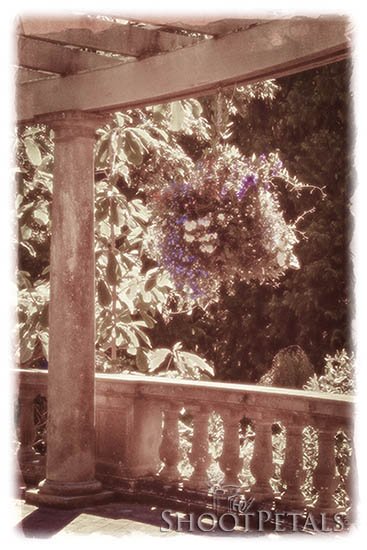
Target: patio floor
pixel 119 519
pixel 115 519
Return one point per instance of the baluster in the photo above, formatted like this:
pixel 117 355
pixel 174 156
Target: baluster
pixel 262 460
pixel 292 471
pixel 349 481
pixel 230 460
pixel 325 472
pixel 199 456
pixel 169 450
pixel 26 430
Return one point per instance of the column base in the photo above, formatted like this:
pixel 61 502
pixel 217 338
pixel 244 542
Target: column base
pixel 70 488
pixel 38 498
pixel 68 495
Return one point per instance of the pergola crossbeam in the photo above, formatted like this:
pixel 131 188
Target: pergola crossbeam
pixel 106 36
pixel 30 75
pixel 270 50
pixel 204 26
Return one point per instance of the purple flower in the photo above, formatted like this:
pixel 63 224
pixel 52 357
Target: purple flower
pixel 247 182
pixel 278 165
pixel 181 220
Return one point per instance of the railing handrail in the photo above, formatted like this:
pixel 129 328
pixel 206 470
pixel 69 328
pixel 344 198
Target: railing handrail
pixel 234 388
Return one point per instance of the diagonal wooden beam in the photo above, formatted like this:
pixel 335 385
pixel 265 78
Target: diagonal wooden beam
pixel 44 56
pixel 103 35
pixel 28 75
pixel 266 51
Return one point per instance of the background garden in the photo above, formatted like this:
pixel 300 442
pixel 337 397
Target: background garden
pixel 143 324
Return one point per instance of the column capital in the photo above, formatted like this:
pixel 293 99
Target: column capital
pixel 71 124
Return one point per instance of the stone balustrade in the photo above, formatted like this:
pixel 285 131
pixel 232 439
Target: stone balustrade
pixel 142 449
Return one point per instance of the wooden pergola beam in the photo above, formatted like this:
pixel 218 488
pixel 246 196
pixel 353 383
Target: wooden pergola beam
pixel 28 75
pixel 104 35
pixel 45 56
pixel 209 26
pixel 270 50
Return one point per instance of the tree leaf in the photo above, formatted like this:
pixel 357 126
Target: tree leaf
pixel 151 279
pixel 194 360
pixel 43 319
pixel 25 231
pixel 177 346
pixel 196 108
pixel 41 216
pixel 177 116
pixel 27 346
pixel 145 137
pixel 101 209
pixel 104 295
pixel 28 247
pixel 141 360
pixel 134 149
pixel 142 335
pixel 127 301
pixel 33 151
pixel 114 214
pixel 148 319
pixel 103 151
pixel 157 358
pixel 113 271
pixel 146 297
pixel 159 112
pixel 43 338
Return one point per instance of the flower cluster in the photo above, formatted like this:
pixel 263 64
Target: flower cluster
pixel 223 224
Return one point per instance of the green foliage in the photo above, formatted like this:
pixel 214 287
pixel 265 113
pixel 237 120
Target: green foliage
pixel 34 193
pixel 338 375
pixel 129 296
pixel 130 290
pixel 290 369
pixel 311 307
pixel 178 364
pixel 33 303
pixel 136 308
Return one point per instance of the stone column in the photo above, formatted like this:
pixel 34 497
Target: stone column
pixel 70 470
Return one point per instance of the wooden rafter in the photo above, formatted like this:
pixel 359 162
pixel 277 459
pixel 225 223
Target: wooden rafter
pixel 206 26
pixel 270 50
pixel 44 56
pixel 101 35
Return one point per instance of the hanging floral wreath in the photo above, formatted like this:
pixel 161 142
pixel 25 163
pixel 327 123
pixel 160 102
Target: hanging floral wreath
pixel 224 224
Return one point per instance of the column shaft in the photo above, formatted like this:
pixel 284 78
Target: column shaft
pixel 70 466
